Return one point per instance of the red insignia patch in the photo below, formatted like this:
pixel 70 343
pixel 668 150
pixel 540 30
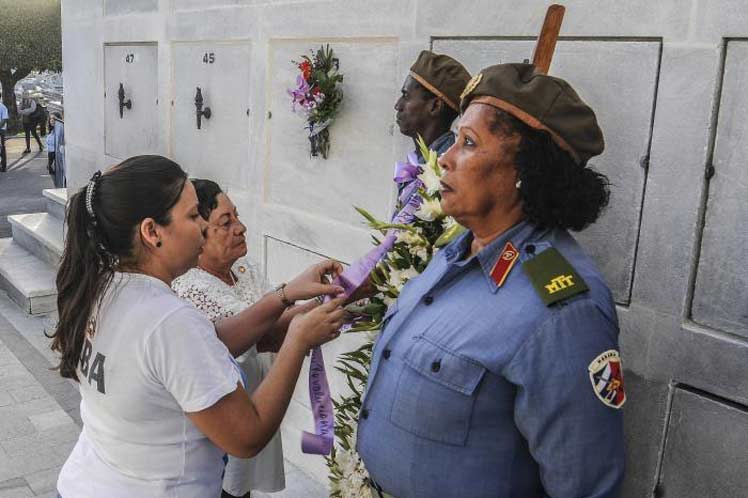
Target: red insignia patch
pixel 606 375
pixel 504 264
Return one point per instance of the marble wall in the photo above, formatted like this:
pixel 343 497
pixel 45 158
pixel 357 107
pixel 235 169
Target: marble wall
pixel 666 81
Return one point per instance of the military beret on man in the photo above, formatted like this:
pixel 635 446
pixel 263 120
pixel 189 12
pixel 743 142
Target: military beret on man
pixel 542 102
pixel 441 75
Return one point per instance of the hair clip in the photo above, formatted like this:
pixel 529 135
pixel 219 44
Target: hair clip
pixel 90 189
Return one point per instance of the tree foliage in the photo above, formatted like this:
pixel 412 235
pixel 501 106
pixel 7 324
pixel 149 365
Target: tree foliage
pixel 30 39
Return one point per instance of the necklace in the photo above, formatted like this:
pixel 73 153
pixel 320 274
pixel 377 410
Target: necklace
pixel 219 277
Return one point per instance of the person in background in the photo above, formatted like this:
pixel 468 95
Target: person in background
pixel 51 144
pixel 3 130
pixel 224 283
pixel 429 102
pixel 31 113
pixel 428 105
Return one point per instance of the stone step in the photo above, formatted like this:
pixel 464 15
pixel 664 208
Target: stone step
pixel 40 234
pixel 29 281
pixel 57 199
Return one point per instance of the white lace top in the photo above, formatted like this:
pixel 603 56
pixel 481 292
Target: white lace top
pixel 216 299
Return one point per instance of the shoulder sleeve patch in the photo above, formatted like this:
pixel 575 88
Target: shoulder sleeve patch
pixel 606 375
pixel 553 277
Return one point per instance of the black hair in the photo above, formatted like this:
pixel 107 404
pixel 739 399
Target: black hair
pixel 138 188
pixel 207 196
pixel 448 114
pixel 556 191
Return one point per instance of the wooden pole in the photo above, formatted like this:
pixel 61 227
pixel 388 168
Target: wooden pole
pixel 548 37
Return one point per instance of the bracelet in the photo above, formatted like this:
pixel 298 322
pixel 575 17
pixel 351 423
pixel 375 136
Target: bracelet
pixel 281 292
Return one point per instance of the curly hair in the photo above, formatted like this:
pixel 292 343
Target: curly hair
pixel 555 190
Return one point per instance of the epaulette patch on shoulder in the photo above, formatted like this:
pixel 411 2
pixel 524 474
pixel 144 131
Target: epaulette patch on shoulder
pixel 553 277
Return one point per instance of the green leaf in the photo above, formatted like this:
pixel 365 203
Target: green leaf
pixel 449 235
pixel 373 222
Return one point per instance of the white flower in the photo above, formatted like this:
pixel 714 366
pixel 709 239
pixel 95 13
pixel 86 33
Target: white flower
pixel 353 484
pixel 448 223
pixel 429 210
pixel 382 288
pixel 395 280
pixel 409 238
pixel 430 179
pixel 399 277
pixel 387 300
pixel 407 274
pixel 419 252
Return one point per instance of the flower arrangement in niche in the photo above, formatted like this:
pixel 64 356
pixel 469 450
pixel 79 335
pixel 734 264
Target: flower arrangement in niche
pixel 414 247
pixel 318 96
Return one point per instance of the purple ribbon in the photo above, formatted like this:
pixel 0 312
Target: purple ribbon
pixel 351 279
pixel 319 443
pixel 409 170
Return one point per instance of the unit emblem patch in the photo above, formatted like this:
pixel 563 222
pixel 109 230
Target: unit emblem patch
pixel 474 81
pixel 504 264
pixel 606 375
pixel 553 278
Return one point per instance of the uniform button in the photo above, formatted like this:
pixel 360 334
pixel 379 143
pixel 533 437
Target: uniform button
pixel 436 366
pixel 530 249
pixel 428 300
pixel 364 414
pixel 386 354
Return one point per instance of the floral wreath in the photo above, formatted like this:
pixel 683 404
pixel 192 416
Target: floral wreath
pixel 416 244
pixel 318 96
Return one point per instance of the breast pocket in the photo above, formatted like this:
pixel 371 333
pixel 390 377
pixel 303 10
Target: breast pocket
pixel 435 393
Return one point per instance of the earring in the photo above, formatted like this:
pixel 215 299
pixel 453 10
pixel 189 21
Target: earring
pixel 158 244
pixel 518 184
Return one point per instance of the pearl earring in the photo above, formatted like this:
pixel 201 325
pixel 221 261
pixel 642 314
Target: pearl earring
pixel 518 184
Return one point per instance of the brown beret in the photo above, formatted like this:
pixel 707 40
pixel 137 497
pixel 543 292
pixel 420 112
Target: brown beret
pixel 441 75
pixel 542 102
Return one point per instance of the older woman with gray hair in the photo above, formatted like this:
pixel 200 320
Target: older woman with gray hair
pixel 223 284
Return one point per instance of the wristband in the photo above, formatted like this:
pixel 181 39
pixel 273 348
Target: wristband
pixel 281 292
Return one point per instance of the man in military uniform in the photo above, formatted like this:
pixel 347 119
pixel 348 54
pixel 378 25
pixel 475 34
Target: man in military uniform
pixel 497 373
pixel 429 100
pixel 428 104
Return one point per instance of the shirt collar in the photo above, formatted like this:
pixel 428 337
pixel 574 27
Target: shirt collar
pixel 489 255
pixel 437 144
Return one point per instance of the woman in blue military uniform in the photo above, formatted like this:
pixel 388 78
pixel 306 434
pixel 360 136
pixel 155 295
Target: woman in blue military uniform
pixel 497 373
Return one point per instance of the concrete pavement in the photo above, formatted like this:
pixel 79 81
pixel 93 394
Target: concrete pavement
pixel 21 185
pixel 39 420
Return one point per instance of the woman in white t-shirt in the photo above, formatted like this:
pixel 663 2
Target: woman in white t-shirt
pixel 162 397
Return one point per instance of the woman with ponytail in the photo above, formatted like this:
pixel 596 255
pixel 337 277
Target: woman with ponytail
pixel 162 397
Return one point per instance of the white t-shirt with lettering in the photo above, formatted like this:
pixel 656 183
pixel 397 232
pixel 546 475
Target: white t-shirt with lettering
pixel 152 358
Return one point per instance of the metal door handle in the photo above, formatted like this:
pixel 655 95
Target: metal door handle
pixel 122 102
pixel 199 112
